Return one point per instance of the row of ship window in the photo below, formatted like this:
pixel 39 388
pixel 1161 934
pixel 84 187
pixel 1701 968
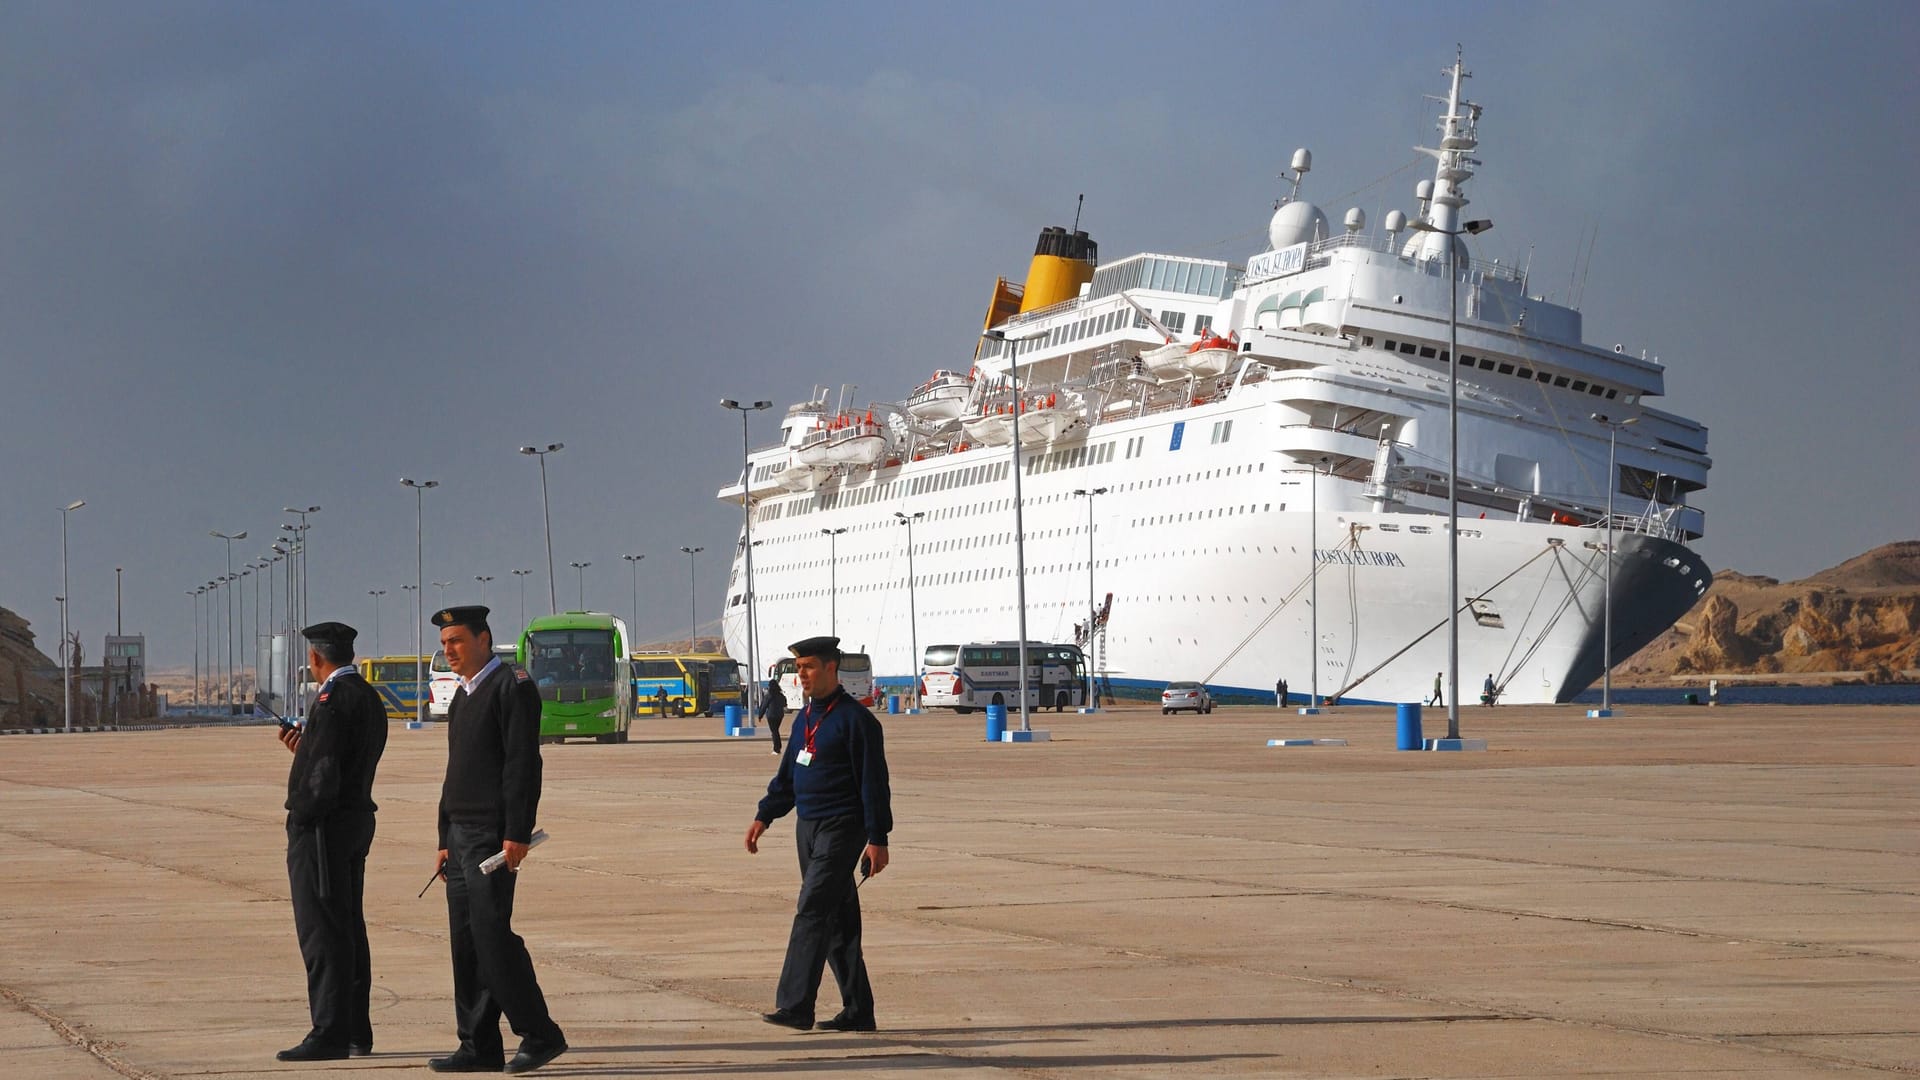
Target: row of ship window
pixel 1502 367
pixel 1175 321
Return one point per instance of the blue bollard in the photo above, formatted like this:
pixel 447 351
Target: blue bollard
pixel 1409 723
pixel 893 704
pixel 734 713
pixel 996 722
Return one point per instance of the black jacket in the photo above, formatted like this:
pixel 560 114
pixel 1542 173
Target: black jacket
pixel 340 748
pixel 773 704
pixel 493 756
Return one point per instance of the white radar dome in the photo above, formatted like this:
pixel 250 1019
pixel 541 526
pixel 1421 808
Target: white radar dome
pixel 1356 219
pixel 1296 223
pixel 1396 222
pixel 1302 160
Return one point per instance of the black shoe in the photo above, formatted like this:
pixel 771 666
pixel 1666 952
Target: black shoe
pixel 532 1057
pixel 358 1049
pixel 846 1021
pixel 464 1060
pixel 787 1018
pixel 310 1050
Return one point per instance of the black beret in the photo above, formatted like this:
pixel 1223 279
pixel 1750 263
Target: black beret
pixel 826 648
pixel 330 633
pixel 471 616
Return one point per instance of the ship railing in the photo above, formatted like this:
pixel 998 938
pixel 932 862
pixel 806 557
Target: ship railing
pixel 1040 313
pixel 1321 252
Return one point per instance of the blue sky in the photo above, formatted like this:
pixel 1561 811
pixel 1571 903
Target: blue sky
pixel 260 255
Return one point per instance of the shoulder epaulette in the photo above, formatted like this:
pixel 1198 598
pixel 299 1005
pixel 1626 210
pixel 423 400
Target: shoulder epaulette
pixel 520 673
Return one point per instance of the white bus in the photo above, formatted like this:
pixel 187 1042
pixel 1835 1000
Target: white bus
pixel 856 677
pixel 972 676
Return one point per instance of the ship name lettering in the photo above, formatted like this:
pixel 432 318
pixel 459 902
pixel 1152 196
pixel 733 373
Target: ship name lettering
pixel 1358 557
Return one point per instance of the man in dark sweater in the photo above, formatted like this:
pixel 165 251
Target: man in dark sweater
pixel 487 806
pixel 329 831
pixel 834 774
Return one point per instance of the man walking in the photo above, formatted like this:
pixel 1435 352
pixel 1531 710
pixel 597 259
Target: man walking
pixel 329 831
pixel 834 773
pixel 773 709
pixel 487 807
pixel 1280 693
pixel 1436 698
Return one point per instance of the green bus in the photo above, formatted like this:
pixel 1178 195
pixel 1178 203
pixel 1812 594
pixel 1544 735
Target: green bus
pixel 578 659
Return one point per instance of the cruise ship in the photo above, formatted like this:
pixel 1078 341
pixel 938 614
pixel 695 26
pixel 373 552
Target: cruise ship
pixel 1239 472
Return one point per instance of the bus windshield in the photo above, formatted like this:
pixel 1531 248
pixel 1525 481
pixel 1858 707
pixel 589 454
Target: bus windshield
pixel 571 665
pixel 726 675
pixel 855 662
pixel 392 671
pixel 656 669
pixel 440 661
pixel 941 655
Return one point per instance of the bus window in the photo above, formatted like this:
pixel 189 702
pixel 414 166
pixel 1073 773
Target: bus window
pixel 571 665
pixel 941 655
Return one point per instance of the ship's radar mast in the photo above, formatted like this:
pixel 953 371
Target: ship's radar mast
pixel 1459 137
pixel 1295 221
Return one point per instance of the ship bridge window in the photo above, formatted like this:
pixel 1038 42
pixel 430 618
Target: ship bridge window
pixel 1543 376
pixel 1202 324
pixel 1596 389
pixel 1506 369
pixel 1525 373
pixel 1579 385
pixel 1427 352
pixel 1140 321
pixel 1407 348
pixel 1486 364
pixel 1175 321
pixel 1560 380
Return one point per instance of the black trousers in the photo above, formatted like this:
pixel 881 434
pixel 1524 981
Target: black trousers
pixel 332 925
pixel 492 973
pixel 773 725
pixel 826 922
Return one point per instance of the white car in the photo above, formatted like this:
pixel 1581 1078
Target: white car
pixel 1181 696
pixel 441 686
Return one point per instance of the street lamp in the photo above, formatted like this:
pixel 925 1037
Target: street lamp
pixel 441 596
pixel 913 617
pixel 419 594
pixel 746 509
pixel 1606 605
pixel 693 597
pixel 522 575
pixel 1092 612
pixel 634 562
pixel 297 616
pixel 1019 514
pixel 66 672
pixel 228 601
pixel 1472 228
pixel 833 578
pixel 377 594
pixel 546 515
pixel 483 579
pixel 194 595
pixel 580 568
pixel 1313 584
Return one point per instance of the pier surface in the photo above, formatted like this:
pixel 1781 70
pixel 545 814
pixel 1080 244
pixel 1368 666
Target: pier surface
pixel 1680 891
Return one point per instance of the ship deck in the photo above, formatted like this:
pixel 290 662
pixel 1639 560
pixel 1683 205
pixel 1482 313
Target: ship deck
pixel 1731 891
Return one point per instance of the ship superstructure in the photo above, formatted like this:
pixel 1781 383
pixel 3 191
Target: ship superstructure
pixel 1227 429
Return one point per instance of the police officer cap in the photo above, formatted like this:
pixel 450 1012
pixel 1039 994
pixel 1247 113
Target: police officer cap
pixel 826 648
pixel 471 616
pixel 330 633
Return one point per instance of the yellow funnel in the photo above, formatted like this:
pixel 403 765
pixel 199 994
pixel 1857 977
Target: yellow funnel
pixel 1062 262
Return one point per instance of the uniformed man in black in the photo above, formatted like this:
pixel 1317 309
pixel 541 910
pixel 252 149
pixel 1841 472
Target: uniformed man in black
pixel 487 806
pixel 329 830
pixel 834 773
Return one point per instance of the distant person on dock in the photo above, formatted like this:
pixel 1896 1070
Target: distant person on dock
pixel 1713 692
pixel 1280 693
pixel 1488 695
pixel 1436 699
pixel 773 709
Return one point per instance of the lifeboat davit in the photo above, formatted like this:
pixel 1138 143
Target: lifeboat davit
pixel 993 427
pixel 1047 417
pixel 1211 355
pixel 855 440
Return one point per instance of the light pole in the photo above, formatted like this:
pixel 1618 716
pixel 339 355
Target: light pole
pixel 298 616
pixel 66 673
pixel 246 571
pixel 1092 611
pixel 522 575
pixel 1313 584
pixel 376 594
pixel 194 595
pixel 693 597
pixel 746 508
pixel 483 579
pixel 913 617
pixel 273 624
pixel 419 593
pixel 580 569
pixel 440 597
pixel 1606 604
pixel 833 578
pixel 272 563
pixel 1471 228
pixel 546 515
pixel 634 562
pixel 1019 516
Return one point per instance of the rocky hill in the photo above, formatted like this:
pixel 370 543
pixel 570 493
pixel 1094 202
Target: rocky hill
pixel 25 700
pixel 1859 620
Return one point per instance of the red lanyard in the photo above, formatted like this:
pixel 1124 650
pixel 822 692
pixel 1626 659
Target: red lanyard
pixel 815 726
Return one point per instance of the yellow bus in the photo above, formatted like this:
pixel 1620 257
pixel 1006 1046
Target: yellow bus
pixel 704 683
pixel 394 679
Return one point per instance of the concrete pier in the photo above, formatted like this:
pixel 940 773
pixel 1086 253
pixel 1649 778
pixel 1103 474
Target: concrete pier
pixel 1733 892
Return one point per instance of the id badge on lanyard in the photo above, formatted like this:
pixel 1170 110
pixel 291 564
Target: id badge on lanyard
pixel 805 756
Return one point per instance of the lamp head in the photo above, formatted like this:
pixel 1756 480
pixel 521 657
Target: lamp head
pixel 1475 228
pixel 74 505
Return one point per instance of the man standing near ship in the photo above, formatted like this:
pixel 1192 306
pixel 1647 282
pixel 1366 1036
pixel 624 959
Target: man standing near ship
pixel 834 774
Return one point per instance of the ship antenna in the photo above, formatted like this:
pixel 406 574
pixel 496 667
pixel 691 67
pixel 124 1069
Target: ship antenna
pixel 1079 204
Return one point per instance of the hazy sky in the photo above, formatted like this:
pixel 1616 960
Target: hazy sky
pixel 267 254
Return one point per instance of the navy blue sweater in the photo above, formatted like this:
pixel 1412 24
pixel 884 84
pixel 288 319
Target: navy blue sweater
pixel 848 773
